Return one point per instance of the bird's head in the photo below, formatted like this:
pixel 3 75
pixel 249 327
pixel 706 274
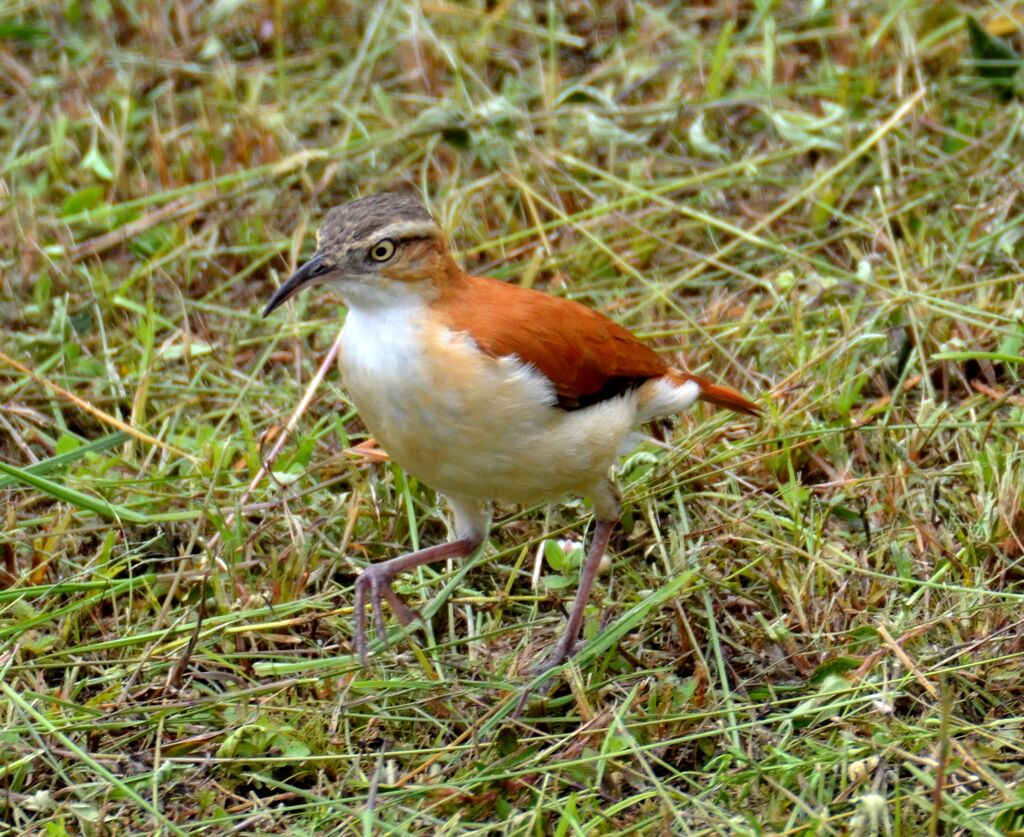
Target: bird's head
pixel 375 251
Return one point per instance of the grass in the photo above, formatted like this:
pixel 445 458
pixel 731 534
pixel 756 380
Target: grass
pixel 813 623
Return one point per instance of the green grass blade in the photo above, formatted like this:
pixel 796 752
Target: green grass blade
pixel 76 498
pixel 59 461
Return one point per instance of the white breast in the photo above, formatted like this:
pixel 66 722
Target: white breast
pixel 467 424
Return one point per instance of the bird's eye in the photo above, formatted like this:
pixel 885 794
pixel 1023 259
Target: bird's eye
pixel 382 250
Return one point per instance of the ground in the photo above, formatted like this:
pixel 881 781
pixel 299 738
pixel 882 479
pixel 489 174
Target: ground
pixel 812 621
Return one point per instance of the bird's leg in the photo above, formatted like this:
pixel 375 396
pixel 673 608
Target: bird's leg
pixel 567 642
pixel 472 521
pixel 606 511
pixel 375 583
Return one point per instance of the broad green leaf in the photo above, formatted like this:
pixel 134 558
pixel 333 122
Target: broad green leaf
pixel 994 58
pixel 82 200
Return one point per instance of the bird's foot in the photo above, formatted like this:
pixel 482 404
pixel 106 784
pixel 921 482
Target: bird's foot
pixel 375 584
pixel 557 656
pixel 540 670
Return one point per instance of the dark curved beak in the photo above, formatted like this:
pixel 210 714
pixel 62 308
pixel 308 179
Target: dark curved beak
pixel 296 282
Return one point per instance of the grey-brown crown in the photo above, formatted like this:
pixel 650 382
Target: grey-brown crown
pixel 397 215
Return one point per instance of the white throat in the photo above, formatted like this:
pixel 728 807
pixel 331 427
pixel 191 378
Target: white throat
pixel 378 293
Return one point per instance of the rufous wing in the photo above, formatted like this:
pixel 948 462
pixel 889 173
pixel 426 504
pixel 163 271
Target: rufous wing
pixel 586 356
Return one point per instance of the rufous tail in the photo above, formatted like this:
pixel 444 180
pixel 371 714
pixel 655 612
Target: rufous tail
pixel 719 394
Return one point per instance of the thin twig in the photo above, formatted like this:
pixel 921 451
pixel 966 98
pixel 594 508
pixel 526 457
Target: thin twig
pixel 175 209
pixel 85 406
pixel 283 437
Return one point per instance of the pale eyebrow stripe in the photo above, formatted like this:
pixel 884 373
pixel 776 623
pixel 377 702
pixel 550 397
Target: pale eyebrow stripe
pixel 400 230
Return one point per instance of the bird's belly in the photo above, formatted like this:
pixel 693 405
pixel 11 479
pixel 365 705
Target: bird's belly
pixel 474 426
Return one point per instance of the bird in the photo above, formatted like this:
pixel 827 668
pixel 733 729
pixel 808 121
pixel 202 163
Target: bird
pixel 484 390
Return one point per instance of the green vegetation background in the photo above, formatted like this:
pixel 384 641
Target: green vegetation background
pixel 813 625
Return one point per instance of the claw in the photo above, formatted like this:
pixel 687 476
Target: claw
pixel 379 586
pixel 378 611
pixel 376 583
pixel 360 626
pixel 377 580
pixel 406 615
pixel 556 658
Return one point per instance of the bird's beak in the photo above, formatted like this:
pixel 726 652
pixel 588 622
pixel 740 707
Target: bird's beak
pixel 296 282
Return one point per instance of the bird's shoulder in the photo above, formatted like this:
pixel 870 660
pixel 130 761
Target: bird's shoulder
pixel 586 356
